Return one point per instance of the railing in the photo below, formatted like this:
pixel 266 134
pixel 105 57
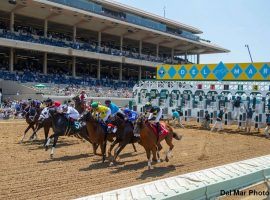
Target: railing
pixel 204 184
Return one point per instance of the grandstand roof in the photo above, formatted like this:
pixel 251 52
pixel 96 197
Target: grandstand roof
pixel 62 14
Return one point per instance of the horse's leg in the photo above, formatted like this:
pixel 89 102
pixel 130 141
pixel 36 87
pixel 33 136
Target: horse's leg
pixel 159 147
pixel 26 130
pixel 54 144
pixel 122 145
pixel 34 135
pixel 112 146
pixel 103 148
pixel 95 147
pixel 168 140
pixel 135 150
pixel 154 152
pixel 46 133
pixel 49 141
pixel 148 154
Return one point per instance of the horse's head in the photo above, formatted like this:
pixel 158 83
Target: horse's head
pixel 115 122
pixel 87 117
pixel 139 123
pixel 76 99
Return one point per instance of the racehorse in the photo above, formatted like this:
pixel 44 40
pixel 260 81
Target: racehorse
pixel 124 135
pixel 151 141
pixel 96 134
pixel 31 115
pixel 79 105
pixel 43 121
pixel 61 127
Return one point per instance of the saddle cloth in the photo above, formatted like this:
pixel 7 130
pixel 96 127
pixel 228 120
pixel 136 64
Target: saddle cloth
pixel 163 130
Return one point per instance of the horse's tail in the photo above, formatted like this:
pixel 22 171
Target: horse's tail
pixel 176 136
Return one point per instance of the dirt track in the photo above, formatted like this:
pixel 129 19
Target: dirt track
pixel 27 172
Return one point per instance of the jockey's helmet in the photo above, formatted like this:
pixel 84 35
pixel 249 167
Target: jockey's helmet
pixel 148 105
pixel 57 104
pixel 108 101
pixel 94 105
pixel 65 107
pixel 126 110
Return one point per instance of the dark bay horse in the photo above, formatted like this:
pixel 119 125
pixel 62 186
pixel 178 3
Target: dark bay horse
pixel 31 115
pixel 96 134
pixel 60 125
pixel 43 121
pixel 151 142
pixel 79 105
pixel 124 135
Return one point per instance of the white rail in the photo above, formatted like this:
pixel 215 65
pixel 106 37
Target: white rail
pixel 204 184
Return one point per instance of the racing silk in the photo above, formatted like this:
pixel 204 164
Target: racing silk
pixel 175 115
pixel 114 108
pixel 83 97
pixel 132 116
pixel 154 110
pixel 73 113
pixel 103 112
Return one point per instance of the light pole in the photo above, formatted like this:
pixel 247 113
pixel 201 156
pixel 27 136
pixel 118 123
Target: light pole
pixel 249 52
pixel 164 11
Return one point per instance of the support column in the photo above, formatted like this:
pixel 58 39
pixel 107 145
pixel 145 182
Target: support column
pixel 98 70
pixel 12 21
pixel 11 60
pixel 140 47
pixel 45 28
pixel 157 53
pixel 121 43
pixel 111 70
pixel 121 72
pixel 140 73
pixel 198 58
pixel 172 54
pixel 45 66
pixel 99 39
pixel 186 57
pixel 74 66
pixel 74 33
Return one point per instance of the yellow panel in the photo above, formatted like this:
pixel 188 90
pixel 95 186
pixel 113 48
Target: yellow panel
pixel 217 72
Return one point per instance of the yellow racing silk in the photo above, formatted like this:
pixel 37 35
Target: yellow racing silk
pixel 102 110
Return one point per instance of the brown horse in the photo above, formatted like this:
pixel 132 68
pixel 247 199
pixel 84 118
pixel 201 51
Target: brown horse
pixel 79 105
pixel 96 134
pixel 151 142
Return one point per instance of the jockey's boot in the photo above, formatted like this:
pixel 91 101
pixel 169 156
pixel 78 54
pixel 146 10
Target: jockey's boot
pixel 158 128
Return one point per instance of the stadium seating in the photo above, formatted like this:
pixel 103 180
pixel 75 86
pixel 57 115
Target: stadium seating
pixel 28 34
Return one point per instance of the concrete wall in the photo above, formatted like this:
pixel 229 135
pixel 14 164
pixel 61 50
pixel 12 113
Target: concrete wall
pixel 10 89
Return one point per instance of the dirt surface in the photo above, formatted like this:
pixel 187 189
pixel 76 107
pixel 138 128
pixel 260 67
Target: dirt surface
pixel 27 172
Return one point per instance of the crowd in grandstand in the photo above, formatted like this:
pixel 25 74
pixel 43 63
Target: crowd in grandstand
pixel 30 34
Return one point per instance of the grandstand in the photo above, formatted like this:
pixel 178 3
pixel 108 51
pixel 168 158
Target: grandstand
pixel 91 43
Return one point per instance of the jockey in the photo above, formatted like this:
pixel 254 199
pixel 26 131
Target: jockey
pixel 103 111
pixel 131 115
pixel 114 108
pixel 71 112
pixel 155 113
